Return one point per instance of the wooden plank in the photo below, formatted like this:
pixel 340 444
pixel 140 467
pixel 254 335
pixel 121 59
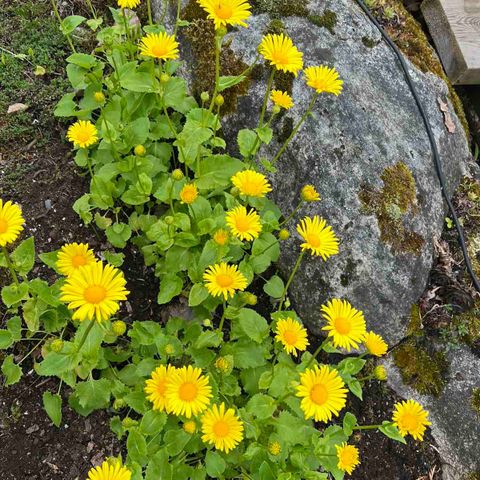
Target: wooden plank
pixel 455 29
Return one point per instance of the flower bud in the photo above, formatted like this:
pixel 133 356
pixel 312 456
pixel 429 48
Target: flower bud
pixel 276 110
pixel 190 427
pixel 119 327
pixel 128 422
pixel 169 349
pixel 283 234
pixel 207 323
pixel 164 77
pixel 119 403
pixel 380 373
pixel 177 174
pixel 249 298
pixel 309 194
pixel 205 96
pixel 169 220
pixel 140 150
pixel 56 345
pixel 99 97
pixel 221 32
pixel 219 100
pixel 235 191
pixel 224 364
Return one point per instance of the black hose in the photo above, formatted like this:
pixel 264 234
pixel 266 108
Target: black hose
pixel 436 155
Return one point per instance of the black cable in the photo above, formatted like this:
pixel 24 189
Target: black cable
pixel 436 155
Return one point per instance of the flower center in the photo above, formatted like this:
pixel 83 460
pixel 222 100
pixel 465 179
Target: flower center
pixel 410 422
pixel 343 325
pixel 224 281
pixel 243 224
pixel 3 225
pixel 95 294
pixel 280 58
pixel 78 261
pixel 319 394
pixel 83 135
pixel 221 429
pixel 313 239
pixel 290 337
pixel 187 392
pixel 158 50
pixel 223 12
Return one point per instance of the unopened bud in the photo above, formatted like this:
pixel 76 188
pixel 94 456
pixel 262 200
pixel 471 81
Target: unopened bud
pixel 169 220
pixel 119 327
pixel 57 345
pixel 99 97
pixel 205 96
pixel 164 77
pixel 219 100
pixel 234 191
pixel 128 422
pixel 207 322
pixel 140 150
pixel 119 403
pixel 276 110
pixel 177 174
pixel 380 373
pixel 249 298
pixel 283 234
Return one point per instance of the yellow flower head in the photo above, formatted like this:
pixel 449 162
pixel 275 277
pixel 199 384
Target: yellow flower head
pixel 244 225
pixel 128 3
pixel 292 335
pixel 348 457
pixel 94 291
pixel 11 222
pixel 345 324
pixel 375 344
pixel 220 237
pixel 189 193
pixel 282 99
pixel 251 183
pixel 110 471
pixel 82 133
pixel 224 279
pixel 318 237
pixel 190 427
pixel 222 428
pixel 188 392
pixel 224 365
pixel 324 80
pixel 410 418
pixel 72 256
pixel 159 45
pixel 309 194
pixel 280 51
pixel 156 386
pixel 226 12
pixel 323 393
pixel 274 448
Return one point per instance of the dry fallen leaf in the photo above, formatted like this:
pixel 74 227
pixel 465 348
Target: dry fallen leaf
pixel 449 123
pixel 17 107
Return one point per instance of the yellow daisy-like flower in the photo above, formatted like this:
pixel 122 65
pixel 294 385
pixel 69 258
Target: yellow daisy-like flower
pixel 251 183
pixel 11 222
pixel 274 448
pixel 292 335
pixel 224 279
pixel 244 225
pixel 128 3
pixel 410 418
pixel 324 80
pixel 220 237
pixel 345 324
pixel 159 45
pixel 82 133
pixel 190 427
pixel 110 471
pixel 280 51
pixel 348 457
pixel 189 193
pixel 94 291
pixel 323 393
pixel 309 194
pixel 222 428
pixel 282 99
pixel 156 386
pixel 226 12
pixel 72 256
pixel 318 236
pixel 375 344
pixel 188 392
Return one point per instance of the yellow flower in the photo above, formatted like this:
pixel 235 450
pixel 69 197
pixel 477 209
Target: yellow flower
pixel 292 334
pixel 375 344
pixel 72 256
pixel 11 222
pixel 274 448
pixel 324 80
pixel 244 225
pixel 410 418
pixel 223 364
pixel 220 237
pixel 280 51
pixel 309 194
pixel 156 386
pixel 128 3
pixel 109 471
pixel 251 183
pixel 224 279
pixel 318 236
pixel 159 45
pixel 222 428
pixel 345 324
pixel 82 133
pixel 94 291
pixel 190 427
pixel 348 457
pixel 189 193
pixel 323 391
pixel 188 392
pixel 282 99
pixel 226 12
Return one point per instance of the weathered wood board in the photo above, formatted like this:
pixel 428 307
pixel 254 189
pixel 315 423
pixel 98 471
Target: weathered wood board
pixel 455 29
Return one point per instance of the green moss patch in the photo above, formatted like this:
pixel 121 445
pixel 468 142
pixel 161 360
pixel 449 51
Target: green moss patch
pixel 281 8
pixel 328 20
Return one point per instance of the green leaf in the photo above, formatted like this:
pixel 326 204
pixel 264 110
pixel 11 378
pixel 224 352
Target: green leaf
pixel 265 134
pixel 69 24
pixel 208 338
pixel 55 364
pixel 66 107
pixel 134 80
pixel 253 325
pixel 391 432
pixel 355 387
pixel 82 60
pixel 12 372
pixel 247 142
pixel 351 366
pixel 170 287
pixel 94 394
pixel 118 234
pixel 229 81
pixel 261 406
pixel 14 326
pixel 137 447
pixel 175 441
pixel 159 467
pixel 52 402
pixel 136 132
pixel 24 256
pixel 217 170
pixel 12 294
pixel 153 422
pixel 349 421
pixel 6 339
pixel 214 464
pixel 49 259
pixel 197 295
pixel 274 287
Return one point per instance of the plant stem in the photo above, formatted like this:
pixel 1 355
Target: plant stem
pixel 55 11
pixel 85 335
pixel 290 279
pixel 314 356
pixel 127 31
pixel 149 8
pixel 265 99
pixel 295 130
pixel 218 48
pixel 32 350
pixel 292 214
pixel 372 427
pixel 222 320
pixel 177 19
pixel 10 265
pixel 89 3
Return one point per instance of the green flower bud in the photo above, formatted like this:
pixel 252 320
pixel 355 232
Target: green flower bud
pixel 177 174
pixel 119 403
pixel 219 100
pixel 164 77
pixel 57 345
pixel 140 150
pixel 249 298
pixel 221 32
pixel 276 110
pixel 234 191
pixel 205 96
pixel 99 97
pixel 119 327
pixel 380 373
pixel 128 422
pixel 283 234
pixel 169 220
pixel 207 322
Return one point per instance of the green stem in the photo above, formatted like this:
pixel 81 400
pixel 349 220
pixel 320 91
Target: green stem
pixel 314 356
pixel 265 99
pixel 55 11
pixel 372 427
pixel 170 200
pixel 85 335
pixel 177 19
pixel 218 48
pixel 89 3
pixel 222 320
pixel 127 31
pixel 292 214
pixel 290 279
pixel 32 350
pixel 10 265
pixel 149 8
pixel 60 387
pixel 295 130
